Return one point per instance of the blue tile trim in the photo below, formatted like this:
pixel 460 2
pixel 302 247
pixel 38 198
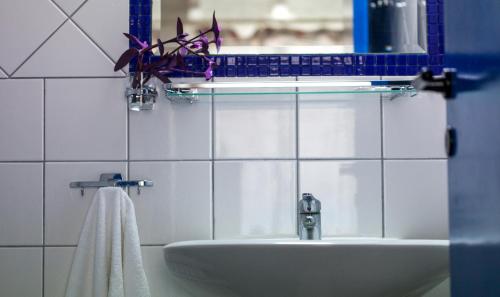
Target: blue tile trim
pixel 312 65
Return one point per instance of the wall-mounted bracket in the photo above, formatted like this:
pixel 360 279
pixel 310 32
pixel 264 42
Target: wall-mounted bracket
pixel 143 98
pixel 443 83
pixel 181 95
pixel 398 92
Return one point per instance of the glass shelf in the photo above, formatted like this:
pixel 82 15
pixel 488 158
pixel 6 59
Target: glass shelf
pixel 191 91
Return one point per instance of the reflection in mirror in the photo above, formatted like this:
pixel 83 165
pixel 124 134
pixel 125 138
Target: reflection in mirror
pixel 300 26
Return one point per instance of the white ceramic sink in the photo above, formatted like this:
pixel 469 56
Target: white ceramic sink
pixel 290 268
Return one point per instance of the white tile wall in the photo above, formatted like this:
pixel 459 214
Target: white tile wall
pixel 68 119
pixel 179 206
pixel 21 37
pixel 80 56
pixel 416 199
pixel 69 6
pixel 57 266
pixel 21 203
pixel 342 126
pixel 254 126
pixel 21 272
pixel 415 128
pixel 106 37
pixel 350 195
pixel 172 131
pixel 255 199
pixel 65 208
pixel 86 119
pixel 21 120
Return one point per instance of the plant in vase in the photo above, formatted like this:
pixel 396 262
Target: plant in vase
pixel 141 94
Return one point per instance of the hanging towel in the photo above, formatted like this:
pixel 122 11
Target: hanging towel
pixel 107 261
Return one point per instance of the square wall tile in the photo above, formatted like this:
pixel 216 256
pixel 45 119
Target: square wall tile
pixel 255 199
pixel 21 272
pixel 172 130
pixel 80 57
pixel 416 199
pixel 57 267
pixel 86 119
pixel 65 208
pixel 260 126
pixel 21 120
pixel 179 206
pixel 350 193
pixel 21 203
pixel 20 19
pixel 339 125
pixel 415 127
pixel 94 18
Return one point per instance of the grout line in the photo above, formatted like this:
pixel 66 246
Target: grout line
pixel 43 181
pixel 4 72
pixel 67 77
pixel 227 160
pixel 53 33
pixel 70 17
pixel 297 162
pixel 74 11
pixel 61 245
pixel 39 47
pixel 382 162
pixel 27 162
pixel 212 153
pixel 23 246
pixel 95 43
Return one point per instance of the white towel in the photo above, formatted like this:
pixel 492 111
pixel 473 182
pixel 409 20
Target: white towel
pixel 108 262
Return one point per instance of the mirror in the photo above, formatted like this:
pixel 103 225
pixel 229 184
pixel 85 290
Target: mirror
pixel 301 26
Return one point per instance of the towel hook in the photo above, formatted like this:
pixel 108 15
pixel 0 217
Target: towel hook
pixel 111 180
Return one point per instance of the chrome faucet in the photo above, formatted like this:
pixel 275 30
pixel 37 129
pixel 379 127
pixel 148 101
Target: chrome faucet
pixel 309 217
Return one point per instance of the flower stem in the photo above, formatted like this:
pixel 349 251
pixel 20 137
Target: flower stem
pixel 165 42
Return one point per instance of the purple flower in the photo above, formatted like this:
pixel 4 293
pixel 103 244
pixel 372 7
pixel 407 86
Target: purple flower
pixel 196 45
pixel 142 44
pixel 209 73
pixel 183 51
pixel 204 39
pixel 170 62
pixel 218 43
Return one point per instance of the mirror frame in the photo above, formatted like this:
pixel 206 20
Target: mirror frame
pixel 311 64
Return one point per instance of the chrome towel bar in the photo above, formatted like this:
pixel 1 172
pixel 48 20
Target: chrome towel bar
pixel 110 180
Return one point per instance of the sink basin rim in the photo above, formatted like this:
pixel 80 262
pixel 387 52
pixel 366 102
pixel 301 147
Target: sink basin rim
pixel 333 241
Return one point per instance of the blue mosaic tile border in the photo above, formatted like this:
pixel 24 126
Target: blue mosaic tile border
pixel 312 65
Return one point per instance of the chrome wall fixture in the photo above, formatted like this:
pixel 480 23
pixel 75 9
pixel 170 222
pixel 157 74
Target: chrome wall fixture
pixel 110 180
pixel 143 98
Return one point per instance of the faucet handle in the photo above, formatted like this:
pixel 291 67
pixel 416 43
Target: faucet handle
pixel 309 205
